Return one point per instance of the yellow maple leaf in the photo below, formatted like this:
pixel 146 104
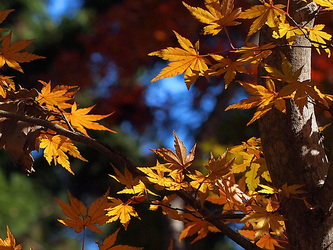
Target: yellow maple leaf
pixel 167 209
pixel 80 119
pixel 9 243
pixel 261 97
pixel 267 13
pixel 318 37
pixel 185 59
pixel 251 177
pixel 290 32
pixel 253 53
pixel 122 211
pixel 11 56
pixel 227 67
pixel 108 243
pixel 326 4
pixel 80 218
pixel 57 98
pixel 56 147
pixel 173 180
pixel 217 16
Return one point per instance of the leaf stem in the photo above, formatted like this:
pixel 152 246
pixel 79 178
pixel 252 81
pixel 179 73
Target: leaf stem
pixel 231 45
pixel 84 236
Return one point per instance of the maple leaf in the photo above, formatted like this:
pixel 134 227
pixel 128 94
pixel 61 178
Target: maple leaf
pixel 80 119
pixel 231 195
pixel 108 243
pixel 11 56
pixel 250 234
pixel 266 189
pixel 6 84
pixel 267 13
pixel 57 98
pixel 293 189
pixel 185 59
pixel 126 178
pixel 172 181
pixel 267 242
pixel 218 167
pixel 261 97
pixel 3 16
pixel 217 16
pixel 56 147
pixel 179 159
pixel 18 137
pixel 262 221
pixel 79 217
pixel 287 74
pixel 9 243
pixel 122 211
pixel 167 209
pixel 253 53
pixel 326 4
pixel 290 32
pixel 251 177
pixel 318 36
pixel 133 186
pixel 227 67
pixel 301 91
pixel 196 225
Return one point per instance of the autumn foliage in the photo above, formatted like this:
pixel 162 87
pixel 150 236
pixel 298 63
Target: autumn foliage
pixel 237 182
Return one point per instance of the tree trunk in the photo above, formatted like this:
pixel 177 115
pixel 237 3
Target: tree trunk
pixel 293 149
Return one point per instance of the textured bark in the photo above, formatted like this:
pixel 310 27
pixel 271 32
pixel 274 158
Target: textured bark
pixel 294 151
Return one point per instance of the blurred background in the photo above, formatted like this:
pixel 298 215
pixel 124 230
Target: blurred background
pixel 102 46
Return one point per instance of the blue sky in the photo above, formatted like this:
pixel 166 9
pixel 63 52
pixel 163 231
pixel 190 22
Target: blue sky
pixel 59 8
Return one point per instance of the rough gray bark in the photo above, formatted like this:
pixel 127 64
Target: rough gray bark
pixel 294 151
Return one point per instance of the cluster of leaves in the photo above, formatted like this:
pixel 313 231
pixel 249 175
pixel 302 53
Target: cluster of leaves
pixel 236 182
pixel 217 17
pixel 57 106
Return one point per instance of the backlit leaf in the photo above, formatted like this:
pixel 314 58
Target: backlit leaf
pixel 81 120
pixel 11 56
pixel 185 59
pixel 217 16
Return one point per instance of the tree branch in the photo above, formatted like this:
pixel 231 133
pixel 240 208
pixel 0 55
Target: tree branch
pixel 111 153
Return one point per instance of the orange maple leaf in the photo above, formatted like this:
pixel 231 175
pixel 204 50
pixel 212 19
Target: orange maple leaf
pixel 6 83
pixel 3 16
pixel 57 98
pixel 80 218
pixel 267 242
pixel 80 119
pixel 122 211
pixel 195 225
pixel 262 221
pixel 108 243
pixel 56 147
pixel 185 59
pixel 11 56
pixel 262 98
pixel 179 159
pixel 217 16
pixel 9 243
